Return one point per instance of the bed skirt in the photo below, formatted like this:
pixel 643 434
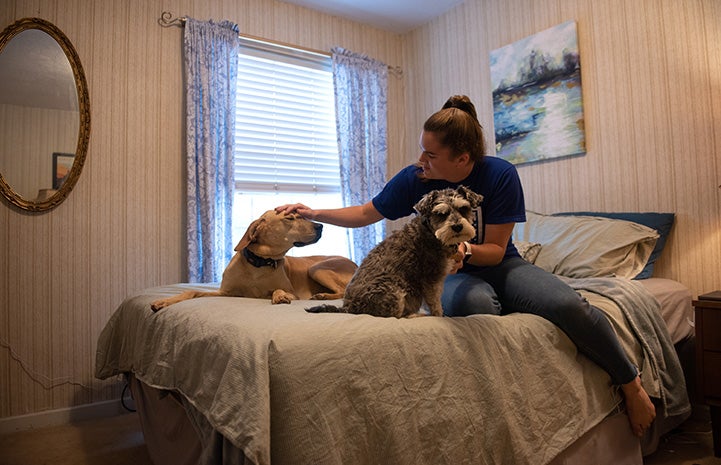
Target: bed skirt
pixel 175 435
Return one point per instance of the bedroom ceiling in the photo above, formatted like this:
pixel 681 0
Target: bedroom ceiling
pixel 397 16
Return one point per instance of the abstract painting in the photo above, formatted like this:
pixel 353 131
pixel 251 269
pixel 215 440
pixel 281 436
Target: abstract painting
pixel 537 102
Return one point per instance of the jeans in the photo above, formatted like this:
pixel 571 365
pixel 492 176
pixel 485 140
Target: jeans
pixel 518 286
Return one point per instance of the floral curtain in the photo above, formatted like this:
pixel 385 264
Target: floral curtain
pixel 211 66
pixel 361 87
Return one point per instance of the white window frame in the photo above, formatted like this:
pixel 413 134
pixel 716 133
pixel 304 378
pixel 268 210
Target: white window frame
pixel 286 148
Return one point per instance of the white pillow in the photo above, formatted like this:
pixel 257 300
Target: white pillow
pixel 587 246
pixel 528 250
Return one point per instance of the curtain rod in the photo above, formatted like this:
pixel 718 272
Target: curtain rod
pixel 167 20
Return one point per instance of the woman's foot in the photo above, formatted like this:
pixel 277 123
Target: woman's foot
pixel 639 407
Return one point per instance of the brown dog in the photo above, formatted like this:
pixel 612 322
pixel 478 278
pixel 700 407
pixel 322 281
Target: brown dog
pixel 261 270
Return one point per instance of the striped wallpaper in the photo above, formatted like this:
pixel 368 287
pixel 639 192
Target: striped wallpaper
pixel 651 76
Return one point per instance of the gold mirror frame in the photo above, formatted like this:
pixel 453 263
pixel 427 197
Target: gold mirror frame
pixel 84 108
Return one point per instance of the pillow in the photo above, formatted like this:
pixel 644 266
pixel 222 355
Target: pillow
pixel 528 250
pixel 586 246
pixel 661 222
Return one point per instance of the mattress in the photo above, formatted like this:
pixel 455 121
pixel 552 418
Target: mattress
pixel 675 307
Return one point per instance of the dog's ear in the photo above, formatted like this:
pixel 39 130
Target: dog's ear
pixel 473 198
pixel 425 205
pixel 250 235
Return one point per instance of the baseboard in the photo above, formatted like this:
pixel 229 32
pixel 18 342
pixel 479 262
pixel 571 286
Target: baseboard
pixel 62 416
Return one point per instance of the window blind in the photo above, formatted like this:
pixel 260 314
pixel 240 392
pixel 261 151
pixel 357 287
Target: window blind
pixel 285 135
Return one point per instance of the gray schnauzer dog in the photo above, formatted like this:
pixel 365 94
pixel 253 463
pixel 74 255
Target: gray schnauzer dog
pixel 410 265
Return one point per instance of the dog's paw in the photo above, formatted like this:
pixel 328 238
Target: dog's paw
pixel 282 297
pixel 158 305
pixel 325 308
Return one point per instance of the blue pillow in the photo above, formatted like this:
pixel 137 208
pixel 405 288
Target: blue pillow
pixel 661 222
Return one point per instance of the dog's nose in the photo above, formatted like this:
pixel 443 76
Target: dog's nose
pixel 318 227
pixel 457 228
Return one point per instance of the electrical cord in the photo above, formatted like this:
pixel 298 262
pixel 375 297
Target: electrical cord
pixel 122 398
pixel 45 381
pixel 51 383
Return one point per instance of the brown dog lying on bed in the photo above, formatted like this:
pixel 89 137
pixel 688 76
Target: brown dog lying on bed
pixel 260 268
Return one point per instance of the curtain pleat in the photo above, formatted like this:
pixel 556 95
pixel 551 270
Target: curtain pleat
pixel 211 66
pixel 361 87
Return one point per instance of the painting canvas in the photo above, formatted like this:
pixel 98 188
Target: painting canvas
pixel 537 103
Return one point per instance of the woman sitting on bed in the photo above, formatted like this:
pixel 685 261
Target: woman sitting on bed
pixel 493 278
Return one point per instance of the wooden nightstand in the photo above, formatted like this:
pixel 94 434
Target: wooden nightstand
pixel 708 359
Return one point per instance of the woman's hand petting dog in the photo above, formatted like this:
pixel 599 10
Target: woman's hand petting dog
pixel 458 260
pixel 303 210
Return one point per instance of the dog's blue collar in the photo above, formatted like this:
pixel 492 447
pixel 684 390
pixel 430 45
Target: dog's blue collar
pixel 259 262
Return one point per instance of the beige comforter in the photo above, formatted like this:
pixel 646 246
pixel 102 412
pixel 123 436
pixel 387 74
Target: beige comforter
pixel 304 388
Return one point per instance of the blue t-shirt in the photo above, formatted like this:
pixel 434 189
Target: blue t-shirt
pixel 494 178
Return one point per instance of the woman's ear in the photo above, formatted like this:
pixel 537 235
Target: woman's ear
pixel 463 158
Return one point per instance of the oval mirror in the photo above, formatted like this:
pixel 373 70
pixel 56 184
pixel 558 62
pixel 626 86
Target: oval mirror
pixel 44 115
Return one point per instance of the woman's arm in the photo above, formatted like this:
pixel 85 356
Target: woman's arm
pixel 493 249
pixel 348 217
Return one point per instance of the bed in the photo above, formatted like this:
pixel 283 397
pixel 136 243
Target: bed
pixel 241 381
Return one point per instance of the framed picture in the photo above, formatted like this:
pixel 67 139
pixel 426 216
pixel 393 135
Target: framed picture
pixel 537 104
pixel 62 164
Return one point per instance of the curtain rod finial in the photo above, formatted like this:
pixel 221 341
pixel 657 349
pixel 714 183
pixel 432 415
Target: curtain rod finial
pixel 166 20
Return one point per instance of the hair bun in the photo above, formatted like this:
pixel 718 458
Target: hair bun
pixel 462 103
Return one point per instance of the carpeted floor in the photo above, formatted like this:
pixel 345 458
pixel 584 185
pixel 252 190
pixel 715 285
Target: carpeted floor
pixel 109 441
pixel 690 444
pixel 119 441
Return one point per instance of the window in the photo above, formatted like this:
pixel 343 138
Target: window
pixel 286 148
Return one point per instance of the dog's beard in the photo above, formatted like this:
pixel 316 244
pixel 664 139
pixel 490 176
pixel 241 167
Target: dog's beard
pixel 448 236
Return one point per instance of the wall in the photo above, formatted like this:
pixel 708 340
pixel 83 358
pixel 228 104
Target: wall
pixel 651 72
pixel 121 230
